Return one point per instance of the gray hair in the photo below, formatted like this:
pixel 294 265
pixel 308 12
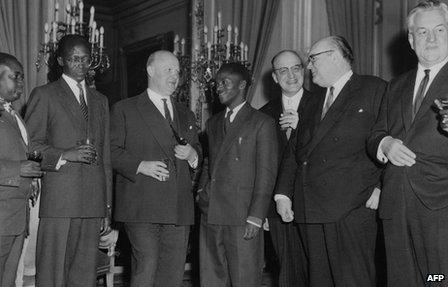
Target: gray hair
pixel 426 5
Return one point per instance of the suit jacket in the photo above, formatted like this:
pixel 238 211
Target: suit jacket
pixel 14 190
pixel 427 178
pixel 141 133
pixel 327 170
pixel 56 123
pixel 238 181
pixel 274 108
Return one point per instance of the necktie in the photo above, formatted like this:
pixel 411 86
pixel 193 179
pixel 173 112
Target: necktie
pixel 420 94
pixel 167 111
pixel 227 121
pixel 82 103
pixel 328 103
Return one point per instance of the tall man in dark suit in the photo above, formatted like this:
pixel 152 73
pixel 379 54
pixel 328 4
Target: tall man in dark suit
pixel 69 125
pixel 237 186
pixel 154 147
pixel 288 74
pixel 16 172
pixel 328 174
pixel 414 204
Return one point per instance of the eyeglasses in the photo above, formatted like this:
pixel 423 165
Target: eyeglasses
pixel 18 77
pixel 283 71
pixel 312 58
pixel 79 60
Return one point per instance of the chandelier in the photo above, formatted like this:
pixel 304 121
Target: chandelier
pixel 74 24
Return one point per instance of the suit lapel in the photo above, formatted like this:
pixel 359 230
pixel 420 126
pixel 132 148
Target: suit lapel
pixel 436 90
pixel 11 121
pixel 234 130
pixel 336 111
pixel 157 124
pixel 71 105
pixel 406 100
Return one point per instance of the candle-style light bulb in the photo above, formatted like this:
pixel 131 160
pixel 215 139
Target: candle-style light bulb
pixel 47 33
pixel 68 18
pixel 246 49
pixel 81 12
pixel 219 20
pixel 236 35
pixel 97 36
pixel 229 33
pixel 55 31
pixel 215 35
pixel 72 26
pixel 93 32
pixel 56 12
pixel 205 34
pixel 242 51
pixel 92 14
pixel 101 37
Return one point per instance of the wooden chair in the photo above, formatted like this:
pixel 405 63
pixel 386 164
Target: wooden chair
pixel 106 261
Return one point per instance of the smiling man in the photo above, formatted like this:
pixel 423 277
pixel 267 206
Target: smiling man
pixel 328 175
pixel 414 205
pixel 16 172
pixel 155 147
pixel 69 124
pixel 288 71
pixel 236 185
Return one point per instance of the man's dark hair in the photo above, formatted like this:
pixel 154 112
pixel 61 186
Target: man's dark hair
pixel 68 42
pixel 237 69
pixel 8 60
pixel 283 52
pixel 342 45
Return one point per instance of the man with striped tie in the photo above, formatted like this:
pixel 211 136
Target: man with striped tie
pixel 69 124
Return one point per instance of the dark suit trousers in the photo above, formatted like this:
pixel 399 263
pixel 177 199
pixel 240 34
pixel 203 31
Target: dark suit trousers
pixel 10 251
pixel 158 254
pixel 290 255
pixel 67 250
pixel 227 259
pixel 416 241
pixel 342 254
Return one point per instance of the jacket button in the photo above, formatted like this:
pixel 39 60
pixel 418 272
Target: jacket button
pixel 305 163
pixel 324 160
pixel 237 159
pixel 335 139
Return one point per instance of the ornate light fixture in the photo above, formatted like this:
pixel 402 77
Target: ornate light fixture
pixel 74 24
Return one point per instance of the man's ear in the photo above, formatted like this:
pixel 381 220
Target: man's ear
pixel 274 77
pixel 242 85
pixel 150 71
pixel 411 40
pixel 60 61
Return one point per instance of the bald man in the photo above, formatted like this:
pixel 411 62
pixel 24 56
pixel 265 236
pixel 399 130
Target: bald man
pixel 154 145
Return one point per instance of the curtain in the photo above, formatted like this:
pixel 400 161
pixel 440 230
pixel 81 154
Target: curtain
pixel 255 20
pixel 354 20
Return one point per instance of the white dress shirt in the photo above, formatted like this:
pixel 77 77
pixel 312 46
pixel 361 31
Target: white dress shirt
pixel 292 103
pixel 338 86
pixel 73 84
pixel 234 111
pixel 434 70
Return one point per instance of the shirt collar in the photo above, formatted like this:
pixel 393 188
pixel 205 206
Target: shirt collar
pixel 154 96
pixel 434 69
pixel 293 101
pixel 73 83
pixel 340 83
pixel 235 109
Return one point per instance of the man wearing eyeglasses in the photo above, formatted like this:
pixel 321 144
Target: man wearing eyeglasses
pixel 327 174
pixel 288 71
pixel 16 172
pixel 69 124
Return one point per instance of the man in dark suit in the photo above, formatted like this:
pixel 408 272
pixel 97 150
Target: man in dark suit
pixel 328 174
pixel 288 74
pixel 414 204
pixel 236 185
pixel 16 172
pixel 154 148
pixel 69 125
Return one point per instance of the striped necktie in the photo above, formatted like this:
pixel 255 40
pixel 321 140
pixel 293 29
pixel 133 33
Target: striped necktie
pixel 420 94
pixel 82 103
pixel 328 103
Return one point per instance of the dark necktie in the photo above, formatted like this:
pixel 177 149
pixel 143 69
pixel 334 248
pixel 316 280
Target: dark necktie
pixel 227 121
pixel 82 103
pixel 167 111
pixel 420 94
pixel 328 103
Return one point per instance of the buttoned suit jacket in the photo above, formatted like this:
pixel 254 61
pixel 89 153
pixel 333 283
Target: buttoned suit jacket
pixel 238 181
pixel 427 178
pixel 141 133
pixel 274 109
pixel 327 170
pixel 14 190
pixel 56 123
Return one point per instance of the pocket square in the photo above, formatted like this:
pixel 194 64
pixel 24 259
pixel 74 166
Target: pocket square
pixel 190 127
pixel 360 110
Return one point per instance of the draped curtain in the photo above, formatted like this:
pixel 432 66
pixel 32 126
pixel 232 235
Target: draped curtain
pixel 255 20
pixel 354 20
pixel 21 32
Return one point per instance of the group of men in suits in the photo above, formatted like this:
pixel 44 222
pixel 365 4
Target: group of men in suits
pixel 323 161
